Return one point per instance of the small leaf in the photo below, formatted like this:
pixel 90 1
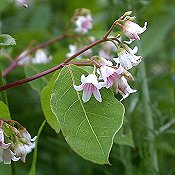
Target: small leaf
pixel 45 102
pixel 124 139
pixel 6 40
pixel 89 128
pixel 4 111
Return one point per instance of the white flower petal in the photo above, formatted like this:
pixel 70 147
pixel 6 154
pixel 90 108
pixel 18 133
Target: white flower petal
pixel 78 88
pixel 86 96
pixel 97 95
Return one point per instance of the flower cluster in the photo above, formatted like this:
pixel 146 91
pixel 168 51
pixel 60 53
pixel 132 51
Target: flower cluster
pixel 113 72
pixel 15 143
pixel 40 58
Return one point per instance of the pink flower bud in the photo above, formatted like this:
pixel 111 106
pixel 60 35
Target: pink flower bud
pixel 132 30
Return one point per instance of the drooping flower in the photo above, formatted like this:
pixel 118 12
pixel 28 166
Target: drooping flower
pixel 83 23
pixel 26 135
pixel 128 59
pixel 123 88
pixel 21 150
pixel 6 155
pixel 132 30
pixel 25 144
pixel 110 75
pixel 90 85
pixel 41 57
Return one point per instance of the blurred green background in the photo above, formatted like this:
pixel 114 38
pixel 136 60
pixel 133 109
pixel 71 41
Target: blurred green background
pixel 46 19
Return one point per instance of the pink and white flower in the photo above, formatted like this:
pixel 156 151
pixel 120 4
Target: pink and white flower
pixel 110 75
pixel 123 88
pixel 90 85
pixel 26 135
pixel 128 59
pixel 83 23
pixel 6 155
pixel 41 57
pixel 21 150
pixel 132 30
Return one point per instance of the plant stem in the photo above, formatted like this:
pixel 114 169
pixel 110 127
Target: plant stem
pixel 14 63
pixel 36 76
pixel 149 119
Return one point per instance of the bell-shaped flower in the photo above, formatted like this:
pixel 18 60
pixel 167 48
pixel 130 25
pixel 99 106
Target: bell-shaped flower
pixel 41 57
pixel 128 59
pixel 110 75
pixel 132 30
pixel 26 135
pixel 90 85
pixel 83 23
pixel 6 155
pixel 21 150
pixel 123 88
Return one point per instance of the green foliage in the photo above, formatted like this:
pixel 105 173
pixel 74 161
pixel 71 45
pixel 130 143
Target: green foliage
pixel 38 84
pixel 4 111
pixel 44 20
pixel 45 102
pixel 6 40
pixel 124 139
pixel 89 128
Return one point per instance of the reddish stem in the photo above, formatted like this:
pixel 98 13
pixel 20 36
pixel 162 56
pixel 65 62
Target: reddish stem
pixel 42 45
pixel 34 77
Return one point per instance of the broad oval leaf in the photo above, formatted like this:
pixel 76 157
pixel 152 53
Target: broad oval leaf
pixel 45 103
pixel 6 40
pixel 89 128
pixel 4 111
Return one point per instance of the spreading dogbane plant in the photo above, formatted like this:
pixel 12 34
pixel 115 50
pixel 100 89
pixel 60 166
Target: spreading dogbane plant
pixel 80 99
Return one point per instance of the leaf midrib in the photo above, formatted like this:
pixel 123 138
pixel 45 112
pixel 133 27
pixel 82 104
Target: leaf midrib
pixel 84 111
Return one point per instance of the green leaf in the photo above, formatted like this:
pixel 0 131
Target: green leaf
pixel 6 40
pixel 124 139
pixel 89 128
pixel 45 103
pixel 31 70
pixel 33 167
pixel 4 111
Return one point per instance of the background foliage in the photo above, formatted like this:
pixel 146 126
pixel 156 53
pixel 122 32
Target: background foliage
pixel 44 20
